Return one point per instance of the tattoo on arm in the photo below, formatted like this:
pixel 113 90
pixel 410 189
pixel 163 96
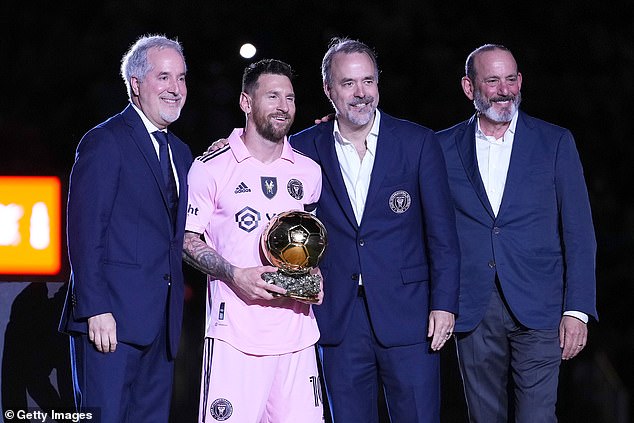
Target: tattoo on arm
pixel 204 258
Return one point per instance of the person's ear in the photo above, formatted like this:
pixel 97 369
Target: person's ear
pixel 134 84
pixel 245 102
pixel 467 87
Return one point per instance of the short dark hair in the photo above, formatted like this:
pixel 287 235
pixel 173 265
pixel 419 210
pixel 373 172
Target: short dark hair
pixel 346 46
pixel 264 66
pixel 469 67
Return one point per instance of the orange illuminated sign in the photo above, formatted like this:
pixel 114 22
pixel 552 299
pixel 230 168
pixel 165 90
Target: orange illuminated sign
pixel 30 225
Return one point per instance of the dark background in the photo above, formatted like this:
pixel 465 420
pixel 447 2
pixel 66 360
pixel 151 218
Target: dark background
pixel 60 64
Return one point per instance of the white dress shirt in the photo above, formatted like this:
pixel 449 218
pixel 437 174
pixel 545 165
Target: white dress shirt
pixel 356 171
pixel 494 157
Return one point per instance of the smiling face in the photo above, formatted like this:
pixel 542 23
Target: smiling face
pixel 162 92
pixel 496 88
pixel 353 90
pixel 271 106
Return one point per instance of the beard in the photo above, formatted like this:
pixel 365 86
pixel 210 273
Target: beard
pixel 170 116
pixel 264 126
pixel 484 106
pixel 355 117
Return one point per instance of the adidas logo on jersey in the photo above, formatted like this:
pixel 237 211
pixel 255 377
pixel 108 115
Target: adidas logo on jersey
pixel 242 188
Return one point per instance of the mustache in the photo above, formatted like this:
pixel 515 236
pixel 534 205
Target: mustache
pixel 503 98
pixel 368 99
pixel 280 115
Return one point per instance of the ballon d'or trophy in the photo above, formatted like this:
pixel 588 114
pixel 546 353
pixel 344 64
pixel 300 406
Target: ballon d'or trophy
pixel 294 242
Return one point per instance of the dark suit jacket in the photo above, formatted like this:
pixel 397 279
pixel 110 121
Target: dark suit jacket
pixel 406 247
pixel 125 254
pixel 541 244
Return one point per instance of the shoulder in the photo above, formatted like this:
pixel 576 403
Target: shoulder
pixel 312 129
pixel 312 132
pixel 544 134
pixel 403 130
pixel 458 128
pixel 305 161
pixel 539 124
pixel 212 165
pixel 217 156
pixel 103 138
pixel 311 139
pixel 113 128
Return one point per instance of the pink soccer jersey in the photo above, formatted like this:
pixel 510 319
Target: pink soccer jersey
pixel 232 197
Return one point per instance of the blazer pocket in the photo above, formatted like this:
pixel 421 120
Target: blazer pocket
pixel 416 274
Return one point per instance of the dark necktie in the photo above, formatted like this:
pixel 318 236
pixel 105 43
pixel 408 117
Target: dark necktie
pixel 168 174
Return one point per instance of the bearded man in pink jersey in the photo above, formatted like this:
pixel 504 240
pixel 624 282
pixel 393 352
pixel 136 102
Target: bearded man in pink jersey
pixel 259 362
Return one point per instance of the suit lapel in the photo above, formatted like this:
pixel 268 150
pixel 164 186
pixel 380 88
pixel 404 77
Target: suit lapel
pixel 465 141
pixel 182 169
pixel 384 157
pixel 141 138
pixel 519 164
pixel 325 146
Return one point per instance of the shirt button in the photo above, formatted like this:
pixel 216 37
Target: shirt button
pixel 354 277
pixel 491 264
pixel 361 242
pixel 496 230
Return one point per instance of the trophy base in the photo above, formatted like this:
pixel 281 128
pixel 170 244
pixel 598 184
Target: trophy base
pixel 300 287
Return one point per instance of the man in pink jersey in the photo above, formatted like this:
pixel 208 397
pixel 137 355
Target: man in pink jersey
pixel 259 363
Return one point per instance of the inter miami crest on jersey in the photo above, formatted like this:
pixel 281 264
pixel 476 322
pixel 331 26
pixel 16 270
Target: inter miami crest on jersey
pixel 221 409
pixel 269 186
pixel 295 189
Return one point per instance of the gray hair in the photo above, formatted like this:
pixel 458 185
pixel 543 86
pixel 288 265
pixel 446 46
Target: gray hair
pixel 135 62
pixel 469 67
pixel 346 46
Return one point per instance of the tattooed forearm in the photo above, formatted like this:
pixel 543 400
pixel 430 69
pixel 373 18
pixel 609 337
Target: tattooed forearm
pixel 204 258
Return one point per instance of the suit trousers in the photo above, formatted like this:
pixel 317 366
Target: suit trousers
pixel 510 373
pixel 132 384
pixel 354 369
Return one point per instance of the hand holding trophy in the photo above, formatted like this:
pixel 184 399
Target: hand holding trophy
pixel 294 241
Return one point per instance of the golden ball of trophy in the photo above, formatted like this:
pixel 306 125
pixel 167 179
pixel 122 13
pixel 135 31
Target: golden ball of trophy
pixel 295 241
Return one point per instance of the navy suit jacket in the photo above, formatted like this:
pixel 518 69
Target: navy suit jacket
pixel 406 248
pixel 541 244
pixel 125 254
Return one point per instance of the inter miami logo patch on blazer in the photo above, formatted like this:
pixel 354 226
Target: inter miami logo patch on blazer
pixel 269 186
pixel 400 201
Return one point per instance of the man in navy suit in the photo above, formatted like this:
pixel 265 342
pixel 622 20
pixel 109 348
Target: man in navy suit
pixel 126 219
pixel 391 268
pixel 527 242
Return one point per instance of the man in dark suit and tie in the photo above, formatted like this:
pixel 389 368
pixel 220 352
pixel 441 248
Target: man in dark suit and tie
pixel 126 217
pixel 392 264
pixel 527 242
